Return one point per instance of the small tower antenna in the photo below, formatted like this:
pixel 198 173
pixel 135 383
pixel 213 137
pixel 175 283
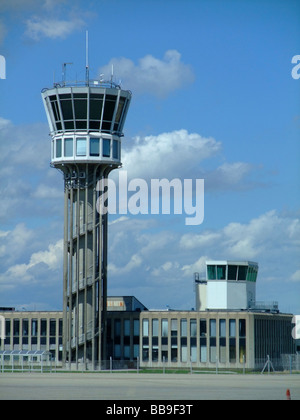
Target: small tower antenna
pixel 64 72
pixel 112 73
pixel 87 57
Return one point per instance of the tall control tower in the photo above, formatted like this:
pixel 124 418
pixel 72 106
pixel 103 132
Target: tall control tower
pixel 86 120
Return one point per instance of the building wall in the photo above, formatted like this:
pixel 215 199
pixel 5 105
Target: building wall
pixel 123 335
pixel 33 331
pixel 226 339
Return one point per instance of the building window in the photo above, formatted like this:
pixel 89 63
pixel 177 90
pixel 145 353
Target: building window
pixel 145 338
pixel 216 272
pixel 136 327
pixel 242 340
pixel 117 338
pixel 34 332
pixel 58 148
pixel 211 272
pixel 164 338
pixel 174 345
pixel 222 340
pixel 96 102
pixel 155 340
pixel 242 272
pixel 232 272
pixel 25 332
pixel 43 331
pixel 126 327
pixel 145 327
pixel 193 340
pixel 81 146
pixel 68 147
pixel 7 331
pixel 154 327
pixel 252 274
pixel 80 107
pixel 183 339
pixel 232 340
pixel 67 110
pixel 94 146
pixel 136 338
pixel 212 341
pixel 106 148
pixel 221 272
pixel 115 149
pixel 203 342
pixel 119 113
pixel 52 331
pixel 109 107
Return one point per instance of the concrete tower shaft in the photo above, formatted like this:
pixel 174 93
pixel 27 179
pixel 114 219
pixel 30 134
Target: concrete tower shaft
pixel 86 122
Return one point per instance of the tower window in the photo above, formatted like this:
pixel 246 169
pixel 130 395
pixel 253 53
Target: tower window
pixel 94 146
pixel 68 147
pixel 58 148
pixel 106 148
pixel 211 272
pixel 221 272
pixel 81 146
pixel 115 149
pixel 242 272
pixel 232 270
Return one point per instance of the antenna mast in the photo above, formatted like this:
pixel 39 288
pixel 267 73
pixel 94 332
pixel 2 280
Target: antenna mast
pixel 87 57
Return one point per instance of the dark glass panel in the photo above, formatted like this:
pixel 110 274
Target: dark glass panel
pixel 80 109
pixel 232 269
pixel 109 108
pixel 95 109
pixel 242 272
pixel 66 107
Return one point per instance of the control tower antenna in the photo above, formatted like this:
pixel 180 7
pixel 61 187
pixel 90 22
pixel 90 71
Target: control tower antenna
pixel 64 72
pixel 87 57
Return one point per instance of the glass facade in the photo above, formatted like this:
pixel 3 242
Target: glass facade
pixel 85 147
pixel 204 340
pixel 88 110
pixel 33 333
pixel 232 272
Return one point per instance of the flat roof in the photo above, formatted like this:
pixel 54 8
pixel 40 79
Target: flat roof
pixel 226 262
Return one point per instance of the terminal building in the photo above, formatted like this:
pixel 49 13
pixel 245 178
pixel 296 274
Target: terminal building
pixel 228 328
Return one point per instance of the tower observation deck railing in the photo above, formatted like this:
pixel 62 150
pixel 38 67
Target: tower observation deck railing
pixel 86 83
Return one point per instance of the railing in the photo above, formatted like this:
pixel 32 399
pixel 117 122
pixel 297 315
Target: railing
pixel 90 82
pixel 265 305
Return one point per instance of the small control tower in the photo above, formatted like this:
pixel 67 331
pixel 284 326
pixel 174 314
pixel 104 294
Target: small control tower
pixel 229 285
pixel 86 122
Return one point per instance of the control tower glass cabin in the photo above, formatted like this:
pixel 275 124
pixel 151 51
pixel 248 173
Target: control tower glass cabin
pixel 86 121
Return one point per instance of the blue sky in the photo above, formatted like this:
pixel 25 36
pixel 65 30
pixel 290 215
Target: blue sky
pixel 213 99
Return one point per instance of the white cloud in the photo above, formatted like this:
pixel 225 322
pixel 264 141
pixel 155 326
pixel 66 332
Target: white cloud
pixel 190 240
pixel 49 18
pixel 198 266
pixel 134 262
pixel 170 154
pixel 184 155
pixel 267 233
pixel 295 277
pixel 25 272
pixel 28 184
pixel 13 243
pixel 151 75
pixel 38 27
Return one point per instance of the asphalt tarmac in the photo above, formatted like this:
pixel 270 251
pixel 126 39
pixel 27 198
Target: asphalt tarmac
pixel 150 386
